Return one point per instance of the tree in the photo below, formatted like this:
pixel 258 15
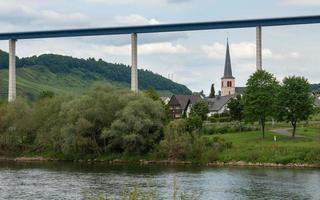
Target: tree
pixel 235 107
pixel 137 128
pixel 212 92
pixel 294 101
pixel 152 93
pixel 200 109
pixel 176 142
pixel 260 97
pixel 194 122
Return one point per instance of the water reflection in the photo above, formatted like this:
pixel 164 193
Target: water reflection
pixel 73 181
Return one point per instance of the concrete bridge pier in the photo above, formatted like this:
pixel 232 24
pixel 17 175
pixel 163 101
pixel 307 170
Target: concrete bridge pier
pixel 134 66
pixel 259 47
pixel 12 70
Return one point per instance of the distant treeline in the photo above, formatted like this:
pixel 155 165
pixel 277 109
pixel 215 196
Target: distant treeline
pixel 114 72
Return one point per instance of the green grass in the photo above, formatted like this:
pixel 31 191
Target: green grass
pixel 250 147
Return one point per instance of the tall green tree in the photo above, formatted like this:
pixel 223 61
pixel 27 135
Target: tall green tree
pixel 235 107
pixel 260 97
pixel 212 92
pixel 200 109
pixel 295 102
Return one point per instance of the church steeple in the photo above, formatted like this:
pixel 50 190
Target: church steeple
pixel 227 65
pixel 227 81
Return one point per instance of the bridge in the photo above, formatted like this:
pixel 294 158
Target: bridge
pixel 135 30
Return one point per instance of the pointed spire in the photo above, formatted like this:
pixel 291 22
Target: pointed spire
pixel 227 66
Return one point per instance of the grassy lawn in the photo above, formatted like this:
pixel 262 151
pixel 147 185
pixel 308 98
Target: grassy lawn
pixel 250 147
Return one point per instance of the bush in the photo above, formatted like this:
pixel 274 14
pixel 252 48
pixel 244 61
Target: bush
pixel 221 128
pixel 194 122
pixel 105 119
pixel 206 150
pixel 177 140
pixel 224 117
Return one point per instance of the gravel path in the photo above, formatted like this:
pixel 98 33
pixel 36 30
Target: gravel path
pixel 285 132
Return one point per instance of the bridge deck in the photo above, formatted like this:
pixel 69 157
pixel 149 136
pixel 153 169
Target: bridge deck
pixel 247 23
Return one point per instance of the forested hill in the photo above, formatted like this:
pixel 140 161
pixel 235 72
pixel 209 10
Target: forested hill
pixel 62 73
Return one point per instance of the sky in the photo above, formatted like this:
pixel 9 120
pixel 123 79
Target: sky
pixel 196 58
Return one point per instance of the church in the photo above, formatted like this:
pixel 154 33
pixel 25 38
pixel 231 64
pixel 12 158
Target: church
pixel 180 105
pixel 218 103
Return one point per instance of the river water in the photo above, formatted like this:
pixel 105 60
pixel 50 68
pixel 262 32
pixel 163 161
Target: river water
pixel 80 181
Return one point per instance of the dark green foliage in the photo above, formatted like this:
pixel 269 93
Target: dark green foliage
pixel 294 101
pixel 103 120
pixel 229 127
pixel 176 142
pixel 260 97
pixel 194 122
pixel 198 114
pixel 207 149
pixel 46 94
pixel 223 117
pixel 212 92
pixel 179 143
pixel 138 127
pixel 235 107
pixel 152 93
pixel 200 109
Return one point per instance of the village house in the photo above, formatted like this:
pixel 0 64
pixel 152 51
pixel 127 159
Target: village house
pixel 165 99
pixel 181 105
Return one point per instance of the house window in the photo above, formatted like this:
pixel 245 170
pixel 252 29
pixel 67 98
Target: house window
pixel 222 83
pixel 229 84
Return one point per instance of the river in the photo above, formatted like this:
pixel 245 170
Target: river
pixel 78 181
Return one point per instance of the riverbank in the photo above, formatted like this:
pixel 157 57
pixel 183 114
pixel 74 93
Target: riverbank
pixel 247 149
pixel 170 163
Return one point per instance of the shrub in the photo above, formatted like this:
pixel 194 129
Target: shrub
pixel 177 140
pixel 221 128
pixel 104 119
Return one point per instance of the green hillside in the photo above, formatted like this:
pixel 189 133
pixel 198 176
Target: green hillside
pixel 64 74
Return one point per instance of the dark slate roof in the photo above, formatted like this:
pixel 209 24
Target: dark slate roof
pixel 227 65
pixel 215 104
pixel 184 99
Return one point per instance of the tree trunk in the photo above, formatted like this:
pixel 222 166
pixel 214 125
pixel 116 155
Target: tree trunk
pixel 294 124
pixel 262 127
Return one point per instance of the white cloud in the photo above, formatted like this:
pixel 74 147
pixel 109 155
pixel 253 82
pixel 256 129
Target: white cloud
pixel 146 49
pixel 117 2
pixel 134 19
pixel 23 15
pixel 141 2
pixel 302 2
pixel 215 51
pixel 242 50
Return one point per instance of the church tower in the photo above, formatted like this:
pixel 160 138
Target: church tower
pixel 228 81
